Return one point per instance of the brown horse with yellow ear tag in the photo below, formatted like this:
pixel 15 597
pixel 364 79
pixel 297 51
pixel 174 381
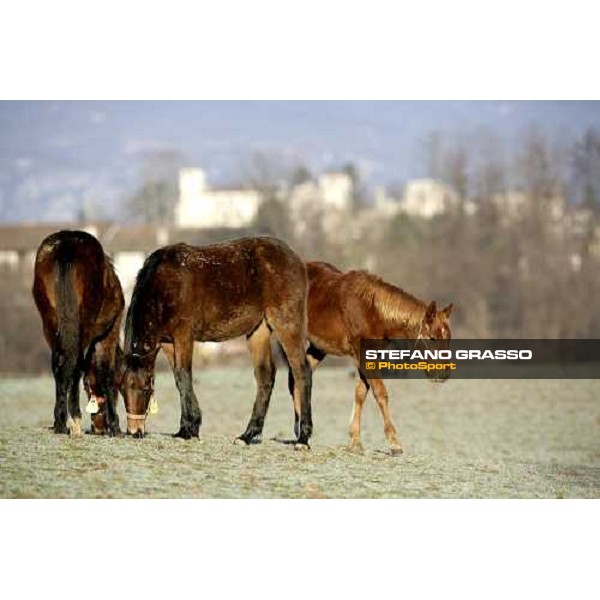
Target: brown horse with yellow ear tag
pixel 250 286
pixel 79 298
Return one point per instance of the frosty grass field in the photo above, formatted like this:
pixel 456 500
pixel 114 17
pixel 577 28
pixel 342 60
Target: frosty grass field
pixel 462 439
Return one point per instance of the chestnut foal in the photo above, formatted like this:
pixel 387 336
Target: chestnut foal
pixel 344 308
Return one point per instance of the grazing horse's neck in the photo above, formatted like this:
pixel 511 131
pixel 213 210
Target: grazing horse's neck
pixel 399 309
pixel 410 315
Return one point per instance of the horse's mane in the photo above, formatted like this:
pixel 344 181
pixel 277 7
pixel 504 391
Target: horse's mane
pixel 109 260
pixel 141 282
pixel 323 265
pixel 391 302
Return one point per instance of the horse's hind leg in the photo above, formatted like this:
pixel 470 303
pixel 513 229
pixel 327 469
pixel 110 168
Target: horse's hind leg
pixel 66 370
pixel 66 376
pixel 259 343
pixel 293 343
pixel 360 393
pixel 74 421
pixel 61 380
pixel 191 416
pixel 381 396
pixel 315 357
pixel 60 402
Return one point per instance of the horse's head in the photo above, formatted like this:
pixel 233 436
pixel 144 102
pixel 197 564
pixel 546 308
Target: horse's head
pixel 434 334
pixel 95 395
pixel 137 388
pixel 96 384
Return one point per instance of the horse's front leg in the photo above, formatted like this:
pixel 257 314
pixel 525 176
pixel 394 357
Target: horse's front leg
pixel 103 361
pixel 181 363
pixel 381 396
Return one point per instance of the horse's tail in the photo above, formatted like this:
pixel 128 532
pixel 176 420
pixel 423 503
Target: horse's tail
pixel 67 310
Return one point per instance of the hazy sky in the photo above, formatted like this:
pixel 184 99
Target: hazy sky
pixel 54 156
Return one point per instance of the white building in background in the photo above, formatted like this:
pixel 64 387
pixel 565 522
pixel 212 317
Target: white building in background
pixel 200 206
pixel 329 191
pixel 336 190
pixel 127 265
pixel 329 199
pixel 384 204
pixel 427 198
pixel 513 204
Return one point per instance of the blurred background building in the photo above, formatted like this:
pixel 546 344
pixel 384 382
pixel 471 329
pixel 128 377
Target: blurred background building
pixel 202 206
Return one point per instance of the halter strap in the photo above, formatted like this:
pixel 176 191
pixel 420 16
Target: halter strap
pixel 141 417
pixel 137 417
pixel 420 337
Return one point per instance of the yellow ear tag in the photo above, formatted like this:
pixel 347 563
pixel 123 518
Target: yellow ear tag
pixel 92 406
pixel 153 406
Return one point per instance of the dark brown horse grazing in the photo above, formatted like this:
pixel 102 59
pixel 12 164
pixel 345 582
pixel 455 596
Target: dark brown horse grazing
pixel 344 308
pixel 251 287
pixel 79 298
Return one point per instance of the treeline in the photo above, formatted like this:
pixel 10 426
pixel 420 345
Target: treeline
pixel 517 248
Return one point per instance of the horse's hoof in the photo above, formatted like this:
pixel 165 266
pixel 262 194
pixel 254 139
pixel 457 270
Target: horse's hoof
pixel 138 435
pixel 115 433
pixel 186 433
pixel 301 447
pixel 355 448
pixel 239 442
pixel 74 426
pixel 396 450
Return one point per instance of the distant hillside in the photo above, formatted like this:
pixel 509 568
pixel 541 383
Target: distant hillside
pixel 56 158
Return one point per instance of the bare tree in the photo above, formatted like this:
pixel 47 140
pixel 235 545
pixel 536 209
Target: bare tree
pixel 586 166
pixel 267 172
pixel 273 218
pixel 155 199
pixel 359 196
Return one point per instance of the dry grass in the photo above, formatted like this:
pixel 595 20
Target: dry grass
pixel 462 439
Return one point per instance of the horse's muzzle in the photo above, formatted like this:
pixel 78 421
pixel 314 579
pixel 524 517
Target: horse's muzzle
pixel 136 425
pixel 441 378
pixel 98 423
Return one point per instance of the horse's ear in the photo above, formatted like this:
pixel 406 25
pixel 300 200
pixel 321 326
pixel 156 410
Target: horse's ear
pixel 430 312
pixel 448 310
pixel 137 361
pixel 133 362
